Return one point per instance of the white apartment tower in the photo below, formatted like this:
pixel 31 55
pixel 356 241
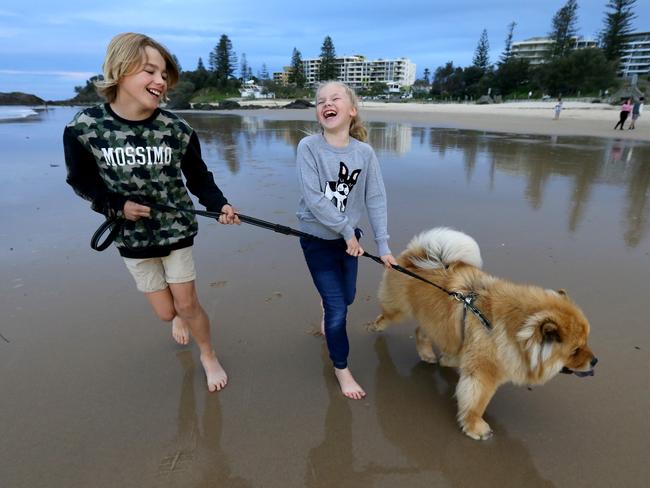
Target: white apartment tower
pixel 536 49
pixel 636 55
pixel 358 72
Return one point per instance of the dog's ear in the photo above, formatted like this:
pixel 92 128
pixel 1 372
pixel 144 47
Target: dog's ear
pixel 343 171
pixel 355 174
pixel 550 332
pixel 562 292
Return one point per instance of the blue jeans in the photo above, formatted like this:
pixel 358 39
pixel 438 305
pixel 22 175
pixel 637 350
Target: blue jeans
pixel 335 275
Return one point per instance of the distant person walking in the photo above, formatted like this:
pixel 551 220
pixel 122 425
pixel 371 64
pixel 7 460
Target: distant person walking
pixel 558 108
pixel 626 108
pixel 637 110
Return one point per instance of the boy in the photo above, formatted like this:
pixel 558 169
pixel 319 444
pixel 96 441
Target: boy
pixel 127 151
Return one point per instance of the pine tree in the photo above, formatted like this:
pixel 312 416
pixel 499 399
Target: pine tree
pixel 427 76
pixel 564 29
pixel 297 74
pixel 507 51
pixel 243 70
pixel 618 23
pixel 482 54
pixel 200 76
pixel 327 70
pixel 263 73
pixel 223 59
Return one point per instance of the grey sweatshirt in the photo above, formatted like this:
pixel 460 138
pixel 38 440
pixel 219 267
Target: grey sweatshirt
pixel 336 185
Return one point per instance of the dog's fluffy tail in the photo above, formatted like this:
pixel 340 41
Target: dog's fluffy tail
pixel 439 247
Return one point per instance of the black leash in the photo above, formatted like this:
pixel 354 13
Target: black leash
pixel 115 226
pixel 466 300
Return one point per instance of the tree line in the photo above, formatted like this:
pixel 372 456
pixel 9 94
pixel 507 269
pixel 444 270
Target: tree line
pixel 565 71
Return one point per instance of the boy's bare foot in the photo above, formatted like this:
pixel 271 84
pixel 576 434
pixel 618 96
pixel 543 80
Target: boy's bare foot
pixel 215 374
pixel 180 331
pixel 349 386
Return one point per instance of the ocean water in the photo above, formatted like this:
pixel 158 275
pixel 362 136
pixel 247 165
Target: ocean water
pixel 8 113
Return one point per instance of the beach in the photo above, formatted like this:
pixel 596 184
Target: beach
pixel 535 117
pixel 96 393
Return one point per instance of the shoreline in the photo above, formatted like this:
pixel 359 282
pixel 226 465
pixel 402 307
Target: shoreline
pixel 576 119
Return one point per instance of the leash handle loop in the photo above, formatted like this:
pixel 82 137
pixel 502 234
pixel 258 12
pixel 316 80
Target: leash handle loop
pixel 114 226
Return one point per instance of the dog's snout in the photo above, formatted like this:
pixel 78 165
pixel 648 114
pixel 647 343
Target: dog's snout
pixel 594 360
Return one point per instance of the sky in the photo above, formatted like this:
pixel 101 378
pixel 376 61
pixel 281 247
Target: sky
pixel 49 47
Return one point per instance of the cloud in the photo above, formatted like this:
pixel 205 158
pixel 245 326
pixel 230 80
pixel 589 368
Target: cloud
pixel 67 75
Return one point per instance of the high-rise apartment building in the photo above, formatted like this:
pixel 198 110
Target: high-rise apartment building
pixel 358 72
pixel 636 55
pixel 537 49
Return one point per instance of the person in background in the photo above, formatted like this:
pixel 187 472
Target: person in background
pixel 626 108
pixel 558 108
pixel 637 110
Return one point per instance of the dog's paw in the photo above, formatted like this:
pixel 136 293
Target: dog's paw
pixel 428 356
pixel 449 361
pixel 377 326
pixel 478 430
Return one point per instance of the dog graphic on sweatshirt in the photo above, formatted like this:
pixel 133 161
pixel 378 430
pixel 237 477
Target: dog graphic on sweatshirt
pixel 338 191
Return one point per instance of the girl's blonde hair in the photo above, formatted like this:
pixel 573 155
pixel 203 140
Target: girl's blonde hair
pixel 124 55
pixel 357 128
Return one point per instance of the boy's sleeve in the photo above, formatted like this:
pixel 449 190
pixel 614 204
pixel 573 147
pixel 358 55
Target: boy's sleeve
pixel 377 206
pixel 83 176
pixel 326 213
pixel 200 180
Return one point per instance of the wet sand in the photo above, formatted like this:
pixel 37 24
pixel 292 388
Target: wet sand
pixel 95 393
pixel 576 119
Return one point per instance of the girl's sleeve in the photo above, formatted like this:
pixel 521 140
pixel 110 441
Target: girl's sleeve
pixel 83 176
pixel 308 178
pixel 377 205
pixel 200 180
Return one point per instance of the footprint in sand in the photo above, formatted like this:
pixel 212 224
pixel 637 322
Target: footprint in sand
pixel 275 295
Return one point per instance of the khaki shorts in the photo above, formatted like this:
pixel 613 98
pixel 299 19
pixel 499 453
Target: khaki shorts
pixel 154 274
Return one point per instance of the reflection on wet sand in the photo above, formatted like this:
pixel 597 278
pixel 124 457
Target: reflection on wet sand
pixel 390 137
pixel 587 164
pixel 332 463
pixel 539 159
pixel 424 428
pixel 196 457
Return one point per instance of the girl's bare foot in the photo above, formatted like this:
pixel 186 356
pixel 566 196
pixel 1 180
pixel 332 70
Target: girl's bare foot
pixel 349 386
pixel 215 374
pixel 180 331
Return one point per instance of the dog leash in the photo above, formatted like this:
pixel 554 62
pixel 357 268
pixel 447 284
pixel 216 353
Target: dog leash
pixel 466 300
pixel 115 225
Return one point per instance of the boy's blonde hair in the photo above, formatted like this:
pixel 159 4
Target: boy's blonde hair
pixel 125 54
pixel 357 128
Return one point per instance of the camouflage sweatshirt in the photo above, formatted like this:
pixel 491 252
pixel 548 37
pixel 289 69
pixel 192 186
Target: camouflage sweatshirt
pixel 111 160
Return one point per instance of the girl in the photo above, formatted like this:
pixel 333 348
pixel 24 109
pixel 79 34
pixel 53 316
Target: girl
pixel 626 108
pixel 339 178
pixel 129 150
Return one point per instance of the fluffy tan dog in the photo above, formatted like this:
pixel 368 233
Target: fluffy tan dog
pixel 532 334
